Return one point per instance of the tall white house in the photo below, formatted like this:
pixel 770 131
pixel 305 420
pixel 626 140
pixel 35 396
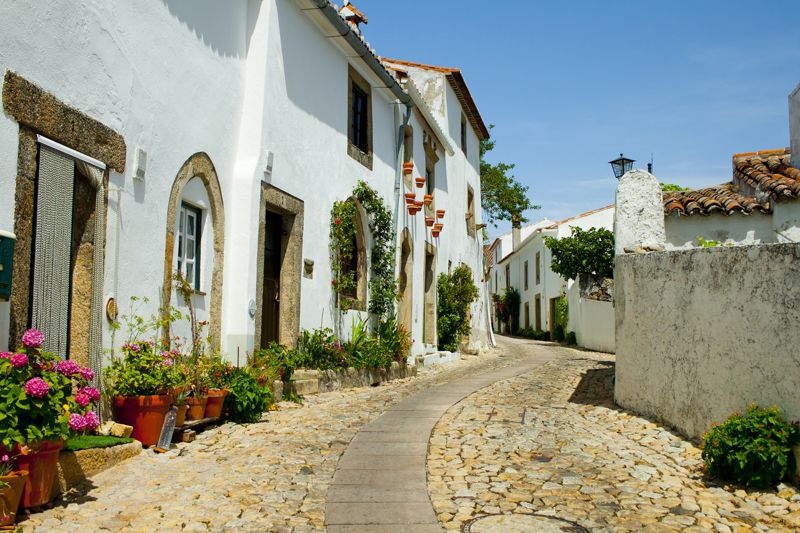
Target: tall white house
pixel 521 259
pixel 213 138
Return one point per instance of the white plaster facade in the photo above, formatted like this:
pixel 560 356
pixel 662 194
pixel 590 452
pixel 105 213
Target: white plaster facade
pixel 593 326
pixel 237 81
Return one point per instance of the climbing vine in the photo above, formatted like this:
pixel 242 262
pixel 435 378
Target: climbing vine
pixel 382 285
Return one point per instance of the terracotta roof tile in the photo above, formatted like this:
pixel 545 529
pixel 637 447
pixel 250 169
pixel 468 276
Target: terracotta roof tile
pixel 723 199
pixel 768 172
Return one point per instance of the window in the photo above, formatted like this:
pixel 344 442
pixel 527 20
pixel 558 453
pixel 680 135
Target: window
pixel 359 127
pixel 496 285
pixel 508 275
pixel 537 268
pixel 189 242
pixel 464 134
pixel 527 316
pixel 470 212
pixel 526 276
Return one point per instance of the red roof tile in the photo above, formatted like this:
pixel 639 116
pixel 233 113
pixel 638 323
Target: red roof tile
pixel 723 199
pixel 768 172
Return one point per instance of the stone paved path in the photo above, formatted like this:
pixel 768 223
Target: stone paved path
pixel 552 443
pixel 380 482
pixel 270 476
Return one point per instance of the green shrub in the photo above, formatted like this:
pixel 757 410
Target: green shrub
pixel 247 398
pixel 752 450
pixel 395 338
pixel 558 333
pixel 571 338
pixel 456 291
pixel 319 349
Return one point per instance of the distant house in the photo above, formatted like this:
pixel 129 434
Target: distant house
pixel 520 259
pixel 758 206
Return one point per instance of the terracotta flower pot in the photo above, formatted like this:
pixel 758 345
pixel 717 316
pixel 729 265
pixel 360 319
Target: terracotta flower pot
pixel 435 233
pixel 429 221
pixel 438 227
pixel 440 213
pixel 11 496
pixel 428 199
pixel 180 415
pixel 41 465
pixel 420 182
pixel 418 204
pixel 214 402
pixel 410 197
pixel 408 167
pixel 145 413
pixel 197 408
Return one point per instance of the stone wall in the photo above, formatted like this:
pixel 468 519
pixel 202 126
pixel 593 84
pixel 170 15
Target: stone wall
pixel 703 333
pixel 316 381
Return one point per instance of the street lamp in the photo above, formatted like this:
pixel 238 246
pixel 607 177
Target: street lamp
pixel 621 165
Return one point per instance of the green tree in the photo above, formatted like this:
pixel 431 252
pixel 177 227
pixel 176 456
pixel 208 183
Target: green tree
pixel 456 292
pixel 502 196
pixel 588 251
pixel 668 187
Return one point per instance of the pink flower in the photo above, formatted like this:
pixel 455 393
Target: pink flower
pixel 82 399
pixel 87 373
pixel 91 392
pixel 18 360
pixel 134 347
pixel 37 388
pixel 77 422
pixel 33 338
pixel 91 419
pixel 68 368
pixel 5 355
pixel 5 458
pixel 167 361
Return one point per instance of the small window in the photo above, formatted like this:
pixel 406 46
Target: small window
pixel 359 119
pixel 508 275
pixel 189 243
pixel 496 285
pixel 464 134
pixel 526 276
pixel 470 212
pixel 537 268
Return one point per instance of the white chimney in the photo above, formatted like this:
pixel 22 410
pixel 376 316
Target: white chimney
pixel 515 234
pixel 794 125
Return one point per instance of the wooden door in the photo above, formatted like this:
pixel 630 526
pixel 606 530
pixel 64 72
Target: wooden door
pixel 271 298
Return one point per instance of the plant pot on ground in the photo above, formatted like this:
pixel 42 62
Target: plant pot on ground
pixel 42 467
pixel 197 407
pixel 180 415
pixel 214 403
pixel 11 489
pixel 144 413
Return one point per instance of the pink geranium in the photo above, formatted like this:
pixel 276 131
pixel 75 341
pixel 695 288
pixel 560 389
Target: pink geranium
pixel 77 422
pixel 87 373
pixel 37 388
pixel 82 399
pixel 68 368
pixel 18 360
pixel 32 338
pixel 91 392
pixel 5 355
pixel 92 420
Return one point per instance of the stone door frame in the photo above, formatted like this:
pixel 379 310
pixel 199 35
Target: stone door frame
pixel 292 209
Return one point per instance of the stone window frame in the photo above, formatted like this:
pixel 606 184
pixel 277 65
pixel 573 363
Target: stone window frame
pixel 37 111
pixel 354 79
pixel 359 301
pixel 471 227
pixel 198 165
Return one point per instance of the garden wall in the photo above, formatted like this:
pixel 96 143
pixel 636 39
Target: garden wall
pixel 703 333
pixel 591 314
pixel 316 381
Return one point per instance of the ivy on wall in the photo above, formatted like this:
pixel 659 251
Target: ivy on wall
pixel 382 285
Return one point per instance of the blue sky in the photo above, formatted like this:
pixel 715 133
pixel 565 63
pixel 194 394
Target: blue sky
pixel 570 85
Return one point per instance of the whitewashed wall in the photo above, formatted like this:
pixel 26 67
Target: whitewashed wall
pixel 705 332
pixel 682 232
pixel 591 320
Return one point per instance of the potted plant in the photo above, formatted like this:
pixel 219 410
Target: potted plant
pixel 428 199
pixel 429 221
pixel 219 376
pixel 141 383
pixel 12 484
pixel 43 399
pixel 440 213
pixel 408 167
pixel 420 182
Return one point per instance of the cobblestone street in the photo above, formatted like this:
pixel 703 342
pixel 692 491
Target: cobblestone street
pixel 548 442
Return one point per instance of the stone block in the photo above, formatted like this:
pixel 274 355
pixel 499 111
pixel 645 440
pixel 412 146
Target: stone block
pixel 305 386
pixel 76 467
pixel 115 429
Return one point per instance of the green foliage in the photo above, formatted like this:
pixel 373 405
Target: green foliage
pixel 753 450
pixel 275 362
pixel 220 373
pixel 667 187
pixel 570 338
pixel 247 399
pixel 319 349
pixel 502 196
pixel 588 251
pixel 558 333
pixel 456 291
pixel 25 419
pixel 382 285
pixel 88 442
pixel 562 312
pixel 708 243
pixel 530 333
pixel 395 338
pixel 143 370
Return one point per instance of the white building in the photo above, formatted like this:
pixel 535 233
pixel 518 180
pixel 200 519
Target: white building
pixel 521 260
pixel 214 137
pixel 756 207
